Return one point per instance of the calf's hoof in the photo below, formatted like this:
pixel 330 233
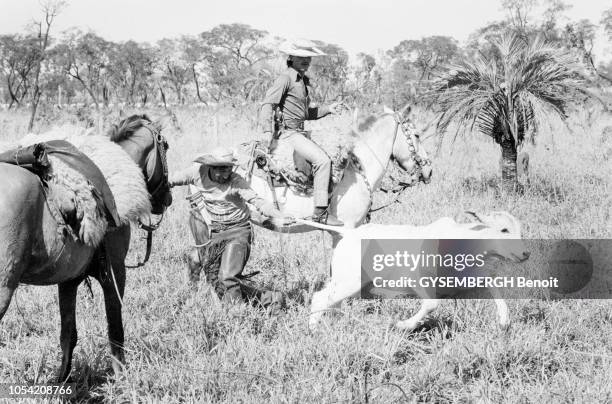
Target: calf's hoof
pixel 406 325
pixel 505 326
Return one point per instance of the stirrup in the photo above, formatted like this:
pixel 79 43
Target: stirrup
pixel 326 218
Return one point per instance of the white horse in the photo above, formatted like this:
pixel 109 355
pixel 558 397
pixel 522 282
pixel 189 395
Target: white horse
pixel 379 139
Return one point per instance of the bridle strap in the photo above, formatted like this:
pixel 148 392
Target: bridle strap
pixel 160 154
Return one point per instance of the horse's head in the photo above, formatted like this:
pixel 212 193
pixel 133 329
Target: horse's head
pixel 407 148
pixel 142 140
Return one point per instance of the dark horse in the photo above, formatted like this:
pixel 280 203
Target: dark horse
pixel 33 251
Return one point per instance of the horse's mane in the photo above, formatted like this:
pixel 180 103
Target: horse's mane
pixel 346 153
pixel 126 127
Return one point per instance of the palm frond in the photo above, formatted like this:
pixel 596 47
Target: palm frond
pixel 530 83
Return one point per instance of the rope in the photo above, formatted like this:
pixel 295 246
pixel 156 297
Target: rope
pixel 112 271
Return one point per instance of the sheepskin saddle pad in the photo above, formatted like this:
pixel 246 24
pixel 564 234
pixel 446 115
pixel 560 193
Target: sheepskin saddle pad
pixel 287 168
pixel 92 181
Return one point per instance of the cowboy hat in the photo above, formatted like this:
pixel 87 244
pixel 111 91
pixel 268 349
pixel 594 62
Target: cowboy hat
pixel 301 48
pixel 219 156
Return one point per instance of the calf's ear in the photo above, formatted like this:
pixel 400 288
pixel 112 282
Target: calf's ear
pixel 474 216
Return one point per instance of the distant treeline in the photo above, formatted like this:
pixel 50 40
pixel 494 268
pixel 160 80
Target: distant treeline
pixel 236 63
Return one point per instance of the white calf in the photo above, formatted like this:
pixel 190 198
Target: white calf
pixel 346 260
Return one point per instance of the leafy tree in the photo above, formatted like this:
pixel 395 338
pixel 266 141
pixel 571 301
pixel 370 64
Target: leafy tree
pixel 42 30
pixel 240 41
pixel 551 27
pixel 235 58
pixel 331 71
pixel 19 57
pixel 509 98
pixel 86 58
pixel 173 67
pixel 606 22
pixel 426 55
pixel 518 14
pixel 195 54
pixel 131 70
pixel 367 79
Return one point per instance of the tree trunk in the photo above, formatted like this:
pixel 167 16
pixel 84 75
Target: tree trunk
pixel 163 97
pixel 195 80
pixel 508 164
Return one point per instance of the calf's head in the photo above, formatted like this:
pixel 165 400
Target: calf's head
pixel 502 234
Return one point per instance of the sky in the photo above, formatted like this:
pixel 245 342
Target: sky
pixel 355 25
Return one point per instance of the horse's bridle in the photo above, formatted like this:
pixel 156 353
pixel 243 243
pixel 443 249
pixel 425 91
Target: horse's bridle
pixel 154 188
pixel 410 133
pixel 160 145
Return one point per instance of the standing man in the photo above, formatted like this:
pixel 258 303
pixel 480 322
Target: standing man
pixel 220 224
pixel 286 106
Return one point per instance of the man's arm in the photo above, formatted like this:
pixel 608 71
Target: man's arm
pixel 251 197
pixel 185 177
pixel 273 97
pixel 318 112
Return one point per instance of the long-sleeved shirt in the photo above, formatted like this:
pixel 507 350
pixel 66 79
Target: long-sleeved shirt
pixel 291 93
pixel 225 203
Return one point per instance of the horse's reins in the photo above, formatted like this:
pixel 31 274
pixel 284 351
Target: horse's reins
pixel 399 123
pixel 159 143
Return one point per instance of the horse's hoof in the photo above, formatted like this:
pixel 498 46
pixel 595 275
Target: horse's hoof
pixel 117 366
pixel 63 380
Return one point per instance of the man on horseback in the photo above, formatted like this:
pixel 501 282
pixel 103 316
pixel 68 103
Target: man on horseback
pixel 285 108
pixel 220 224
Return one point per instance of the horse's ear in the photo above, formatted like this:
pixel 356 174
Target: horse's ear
pixel 387 110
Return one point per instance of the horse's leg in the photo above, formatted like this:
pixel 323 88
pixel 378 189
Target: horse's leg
pixel 68 336
pixel 9 281
pixel 112 280
pixel 21 202
pixel 427 306
pixel 6 293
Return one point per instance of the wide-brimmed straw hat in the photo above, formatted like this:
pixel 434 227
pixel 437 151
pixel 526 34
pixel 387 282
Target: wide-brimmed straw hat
pixel 219 156
pixel 301 48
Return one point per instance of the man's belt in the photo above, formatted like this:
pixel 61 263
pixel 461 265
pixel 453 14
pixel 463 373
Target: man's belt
pixel 293 125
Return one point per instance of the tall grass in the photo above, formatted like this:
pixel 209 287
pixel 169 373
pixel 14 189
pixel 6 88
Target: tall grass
pixel 184 346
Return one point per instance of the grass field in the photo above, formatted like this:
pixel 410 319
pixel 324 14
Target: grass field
pixel 184 346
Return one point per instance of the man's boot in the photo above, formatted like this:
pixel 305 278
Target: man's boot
pixel 321 215
pixel 232 264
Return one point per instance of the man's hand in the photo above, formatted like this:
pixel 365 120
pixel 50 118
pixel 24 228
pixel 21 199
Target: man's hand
pixel 336 107
pixel 283 220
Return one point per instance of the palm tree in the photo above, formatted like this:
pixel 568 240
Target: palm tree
pixel 509 94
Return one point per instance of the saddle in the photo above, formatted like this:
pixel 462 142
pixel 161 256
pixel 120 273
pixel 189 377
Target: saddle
pixel 76 190
pixel 283 167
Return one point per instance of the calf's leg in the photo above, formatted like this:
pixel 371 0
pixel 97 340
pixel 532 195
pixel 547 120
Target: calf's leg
pixel 427 306
pixel 331 296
